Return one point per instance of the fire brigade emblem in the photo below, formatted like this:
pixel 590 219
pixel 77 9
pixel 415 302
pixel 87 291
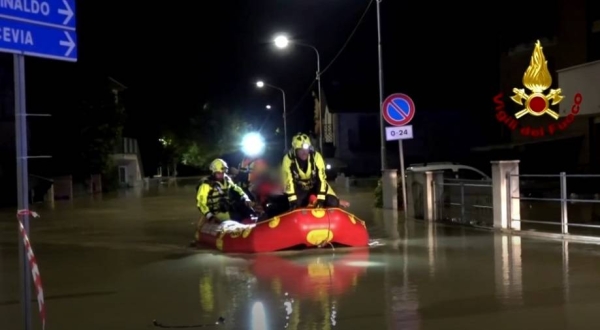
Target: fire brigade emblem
pixel 537 79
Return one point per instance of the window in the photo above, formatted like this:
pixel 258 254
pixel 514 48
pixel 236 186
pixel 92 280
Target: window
pixel 470 175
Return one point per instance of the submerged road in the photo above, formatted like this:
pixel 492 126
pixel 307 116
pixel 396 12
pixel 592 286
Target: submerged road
pixel 122 261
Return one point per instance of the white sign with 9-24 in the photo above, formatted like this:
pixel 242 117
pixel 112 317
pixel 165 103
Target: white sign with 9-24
pixel 395 133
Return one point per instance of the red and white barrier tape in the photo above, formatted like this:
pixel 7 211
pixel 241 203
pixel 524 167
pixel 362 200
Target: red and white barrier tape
pixel 35 272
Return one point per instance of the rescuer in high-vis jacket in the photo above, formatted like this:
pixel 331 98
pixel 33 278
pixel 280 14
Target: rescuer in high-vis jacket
pixel 219 198
pixel 303 172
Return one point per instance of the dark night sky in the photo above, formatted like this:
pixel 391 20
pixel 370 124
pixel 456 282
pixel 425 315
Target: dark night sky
pixel 176 58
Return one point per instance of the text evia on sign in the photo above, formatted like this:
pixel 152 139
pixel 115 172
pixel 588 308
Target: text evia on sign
pixel 39 28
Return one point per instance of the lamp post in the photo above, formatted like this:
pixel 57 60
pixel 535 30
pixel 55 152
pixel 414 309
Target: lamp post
pixel 262 84
pixel 281 42
pixel 381 123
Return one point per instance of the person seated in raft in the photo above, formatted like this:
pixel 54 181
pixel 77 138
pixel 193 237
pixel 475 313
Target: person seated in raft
pixel 219 198
pixel 303 171
pixel 267 192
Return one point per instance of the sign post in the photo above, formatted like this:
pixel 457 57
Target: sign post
pixel 398 110
pixel 39 28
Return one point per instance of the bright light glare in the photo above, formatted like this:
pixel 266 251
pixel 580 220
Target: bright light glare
pixel 281 41
pixel 260 84
pixel 269 107
pixel 258 317
pixel 253 144
pixel 328 166
pixel 306 146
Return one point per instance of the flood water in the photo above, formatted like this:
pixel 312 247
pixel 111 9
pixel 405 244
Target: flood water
pixel 121 262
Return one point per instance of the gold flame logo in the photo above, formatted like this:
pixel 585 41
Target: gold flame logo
pixel 537 79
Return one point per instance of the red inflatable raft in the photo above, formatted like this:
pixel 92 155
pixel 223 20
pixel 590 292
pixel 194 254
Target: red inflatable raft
pixel 320 275
pixel 303 227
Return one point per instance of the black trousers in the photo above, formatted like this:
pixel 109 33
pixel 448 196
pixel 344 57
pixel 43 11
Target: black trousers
pixel 276 205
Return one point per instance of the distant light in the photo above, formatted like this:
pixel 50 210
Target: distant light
pixel 328 166
pixel 260 84
pixel 281 41
pixel 253 144
pixel 164 141
pixel 269 107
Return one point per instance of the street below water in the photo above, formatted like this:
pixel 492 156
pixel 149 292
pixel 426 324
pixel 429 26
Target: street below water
pixel 122 261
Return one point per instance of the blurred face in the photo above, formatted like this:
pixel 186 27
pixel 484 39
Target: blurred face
pixel 302 154
pixel 219 175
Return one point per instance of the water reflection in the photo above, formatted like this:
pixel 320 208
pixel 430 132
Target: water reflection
pixel 401 296
pixel 258 319
pixel 509 271
pixel 310 284
pixel 431 248
pixel 565 270
pixel 207 295
pixel 312 276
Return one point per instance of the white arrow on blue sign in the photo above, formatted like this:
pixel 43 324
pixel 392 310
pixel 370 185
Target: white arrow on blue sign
pixel 40 28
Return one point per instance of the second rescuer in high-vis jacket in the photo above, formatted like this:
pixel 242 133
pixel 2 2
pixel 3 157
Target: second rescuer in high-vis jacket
pixel 215 194
pixel 304 175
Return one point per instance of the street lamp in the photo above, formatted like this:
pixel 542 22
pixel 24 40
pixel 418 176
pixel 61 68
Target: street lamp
pixel 268 107
pixel 262 84
pixel 281 41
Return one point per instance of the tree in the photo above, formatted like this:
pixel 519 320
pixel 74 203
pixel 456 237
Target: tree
pixel 210 133
pixel 100 121
pixel 173 147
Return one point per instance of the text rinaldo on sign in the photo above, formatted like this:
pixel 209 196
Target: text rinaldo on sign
pixel 537 79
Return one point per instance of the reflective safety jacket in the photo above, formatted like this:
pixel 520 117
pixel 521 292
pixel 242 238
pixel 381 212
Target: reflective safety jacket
pixel 311 177
pixel 213 196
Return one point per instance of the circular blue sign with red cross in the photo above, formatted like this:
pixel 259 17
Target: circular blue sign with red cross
pixel 398 109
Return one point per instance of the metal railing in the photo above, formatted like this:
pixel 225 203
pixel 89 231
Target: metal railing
pixel 461 201
pixel 553 203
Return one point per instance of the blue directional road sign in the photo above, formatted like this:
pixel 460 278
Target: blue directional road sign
pixel 398 109
pixel 40 28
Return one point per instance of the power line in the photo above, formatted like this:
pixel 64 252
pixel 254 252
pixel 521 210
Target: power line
pixel 360 20
pixel 302 98
pixel 349 37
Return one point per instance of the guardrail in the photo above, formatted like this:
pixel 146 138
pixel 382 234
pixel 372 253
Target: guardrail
pixel 589 209
pixel 464 201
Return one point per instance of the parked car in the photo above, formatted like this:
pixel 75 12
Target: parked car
pixel 451 170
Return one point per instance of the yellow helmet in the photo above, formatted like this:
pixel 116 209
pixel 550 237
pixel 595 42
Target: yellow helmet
pixel 301 141
pixel 218 165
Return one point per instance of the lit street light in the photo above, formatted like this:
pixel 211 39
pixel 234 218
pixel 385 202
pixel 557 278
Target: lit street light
pixel 268 107
pixel 281 41
pixel 261 84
